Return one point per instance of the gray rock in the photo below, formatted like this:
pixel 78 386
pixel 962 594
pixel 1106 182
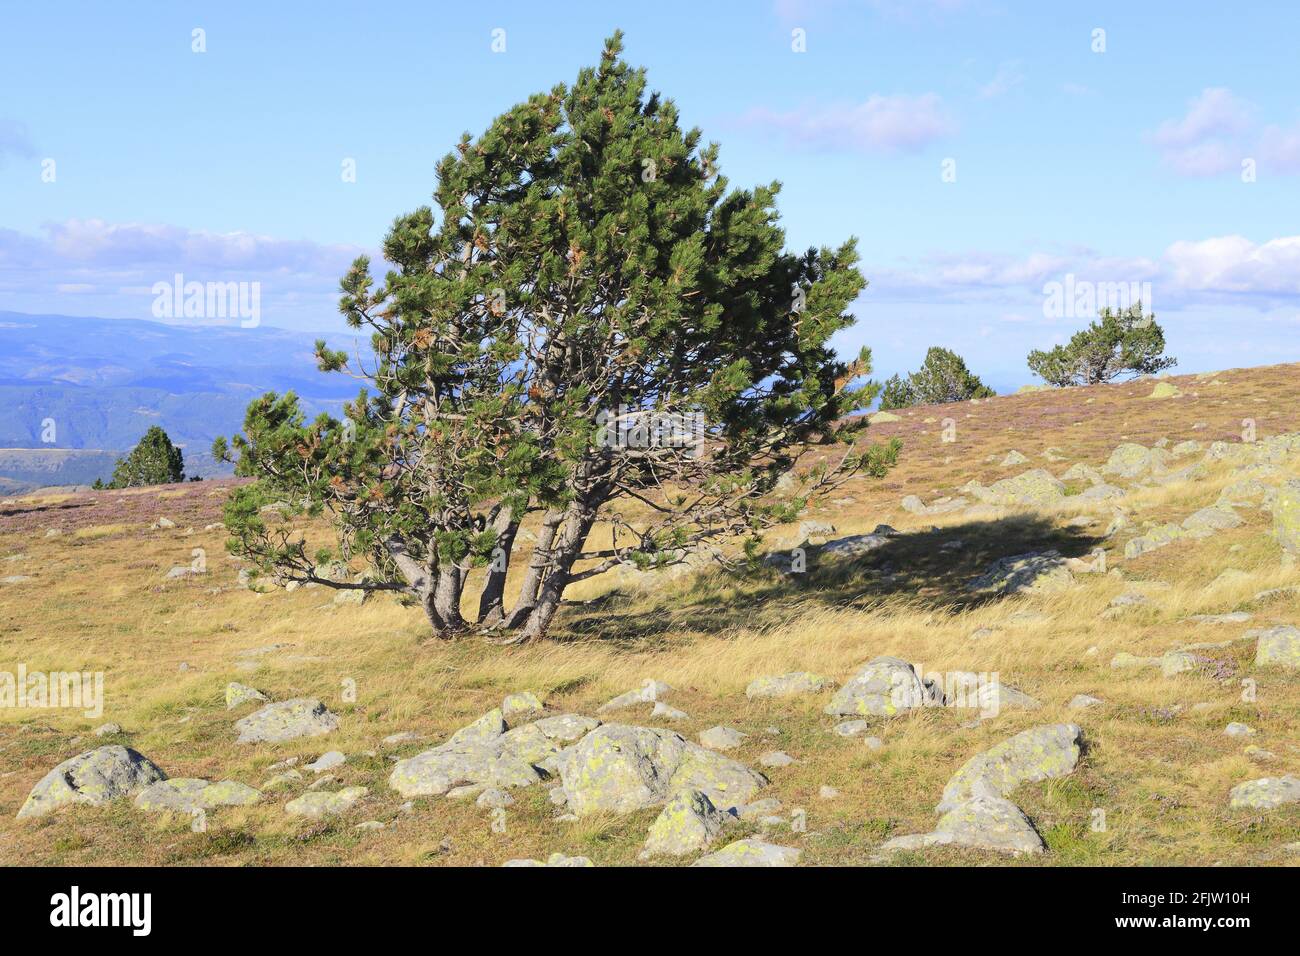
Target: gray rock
pixel 1038 572
pixel 1211 520
pixel 785 685
pixel 316 805
pixel 981 823
pixel 1267 793
pixel 647 693
pixel 852 728
pixel 749 853
pixel 186 795
pixel 1279 646
pixel 237 693
pixel 619 768
pixel 1040 753
pixel 485 730
pixel 688 823
pixel 401 737
pixel 327 761
pixel 555 859
pixel 722 738
pixel 1034 488
pixel 287 720
pixel 1014 458
pixel 854 545
pixel 567 727
pixel 1237 729
pixel 884 687
pixel 517 709
pixel 495 798
pixel 94 777
pixel 828 793
pixel 664 712
pixel 1083 701
pixel 776 758
pixel 107 730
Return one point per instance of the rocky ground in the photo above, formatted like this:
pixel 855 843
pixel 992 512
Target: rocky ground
pixel 1063 631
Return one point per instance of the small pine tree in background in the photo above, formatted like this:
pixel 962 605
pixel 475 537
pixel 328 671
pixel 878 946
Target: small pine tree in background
pixel 154 461
pixel 942 377
pixel 1124 342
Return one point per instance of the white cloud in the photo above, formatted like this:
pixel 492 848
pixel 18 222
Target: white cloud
pixel 1007 78
pixel 1220 130
pixel 879 124
pixel 1235 265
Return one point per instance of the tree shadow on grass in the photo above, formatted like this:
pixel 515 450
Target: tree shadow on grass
pixel 913 566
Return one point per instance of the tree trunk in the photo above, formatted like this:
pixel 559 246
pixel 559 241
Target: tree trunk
pixel 570 539
pixel 491 606
pixel 537 568
pixel 445 599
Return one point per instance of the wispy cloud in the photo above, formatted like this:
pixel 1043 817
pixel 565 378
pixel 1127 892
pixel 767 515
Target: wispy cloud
pixel 1008 77
pixel 14 140
pixel 1218 131
pixel 879 124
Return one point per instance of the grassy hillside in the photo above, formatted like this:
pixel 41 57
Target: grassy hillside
pixel 1157 764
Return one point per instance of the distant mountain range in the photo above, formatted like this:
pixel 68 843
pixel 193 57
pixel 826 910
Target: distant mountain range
pixel 103 382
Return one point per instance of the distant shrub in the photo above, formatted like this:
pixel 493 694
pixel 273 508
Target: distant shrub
pixel 942 377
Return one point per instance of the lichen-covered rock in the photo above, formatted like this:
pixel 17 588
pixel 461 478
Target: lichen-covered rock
pixel 687 823
pixel 1101 492
pixel 1211 520
pixel 555 859
pixel 1267 793
pixel 722 738
pixel 884 687
pixel 980 823
pixel 785 685
pixel 1286 516
pixel 320 803
pixel 649 692
pixel 971 690
pixel 1153 540
pixel 237 693
pixel 1014 457
pixel 94 777
pixel 566 727
pixel 1034 488
pixel 520 708
pixel 327 761
pixel 187 794
pixel 854 545
pixel 621 768
pixel 1038 572
pixel 1040 753
pixel 1128 460
pixel 1279 646
pixel 436 771
pixel 286 720
pixel 751 853
pixel 485 730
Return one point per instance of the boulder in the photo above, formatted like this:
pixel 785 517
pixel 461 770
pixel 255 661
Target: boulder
pixel 980 823
pixel 786 685
pixel 1040 753
pixel 555 859
pixel 237 694
pixel 722 738
pixel 187 794
pixel 1286 516
pixel 649 692
pixel 687 823
pixel 1279 646
pixel 1038 572
pixel 1034 488
pixel 327 761
pixel 520 708
pixel 94 777
pixel 320 804
pixel 884 687
pixel 1211 520
pixel 1153 540
pixel 1014 457
pixel 619 768
pixel 286 720
pixel 566 727
pixel 1266 793
pixel 1128 460
pixel 853 546
pixel 751 853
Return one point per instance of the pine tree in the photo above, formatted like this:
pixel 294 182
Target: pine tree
pixel 592 317
pixel 154 461
pixel 943 377
pixel 1124 342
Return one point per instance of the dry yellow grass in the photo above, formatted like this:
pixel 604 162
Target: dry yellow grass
pixel 1158 765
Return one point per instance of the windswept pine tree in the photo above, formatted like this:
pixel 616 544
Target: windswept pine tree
pixel 591 317
pixel 1124 342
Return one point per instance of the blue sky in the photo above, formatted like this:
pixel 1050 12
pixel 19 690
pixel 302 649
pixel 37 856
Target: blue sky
pixel 1122 166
